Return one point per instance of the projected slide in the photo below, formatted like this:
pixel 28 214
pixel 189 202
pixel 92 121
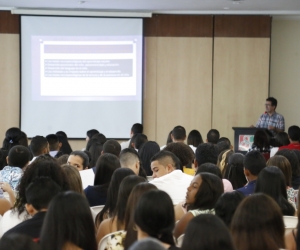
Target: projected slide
pixel 83 69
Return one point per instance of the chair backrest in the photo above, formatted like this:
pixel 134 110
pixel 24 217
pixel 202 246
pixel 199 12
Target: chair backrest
pixel 97 209
pixel 180 240
pixel 288 230
pixel 290 221
pixel 150 178
pixel 106 241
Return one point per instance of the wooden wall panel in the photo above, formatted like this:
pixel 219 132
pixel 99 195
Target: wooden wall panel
pixel 9 81
pixel 240 82
pixel 242 26
pixel 179 26
pixel 150 93
pixel 9 23
pixel 184 85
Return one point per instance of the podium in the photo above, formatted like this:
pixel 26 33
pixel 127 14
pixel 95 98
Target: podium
pixel 244 137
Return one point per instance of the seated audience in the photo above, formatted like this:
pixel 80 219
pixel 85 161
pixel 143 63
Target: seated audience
pixel 129 158
pixel 261 143
pixel 79 159
pixel 112 194
pixel 68 224
pixel 17 160
pixel 185 154
pixel 146 152
pixel 134 197
pixel 271 181
pixel 90 133
pixel 294 137
pixel 213 136
pixel 223 160
pixel 18 242
pixel 194 139
pixel 117 221
pixel 97 138
pixel 62 159
pixel 105 167
pixel 112 147
pixel 258 224
pixel 281 139
pixel 226 206
pixel 168 176
pixel 95 151
pixel 284 165
pixel 254 162
pixel 39 146
pixel 235 171
pixel 64 145
pixel 38 194
pixel 207 231
pixel 136 128
pixel 178 134
pixel 139 140
pixel 227 141
pixel 73 178
pixel 293 159
pixel 12 138
pixel 206 153
pixel 54 146
pixel 147 244
pixel 201 197
pixel 43 166
pixel 158 205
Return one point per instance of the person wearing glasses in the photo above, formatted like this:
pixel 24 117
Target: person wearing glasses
pixel 271 120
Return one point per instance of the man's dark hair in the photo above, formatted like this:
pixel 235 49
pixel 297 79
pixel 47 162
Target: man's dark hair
pixel 137 128
pixel 112 147
pixel 162 155
pixel 294 133
pixel 53 142
pixel 223 145
pixel 83 156
pixel 272 100
pixel 179 133
pixel 184 153
pixel 254 162
pixel 40 192
pixel 18 156
pixel 140 139
pixel 213 136
pixel 209 168
pixel 38 144
pixel 90 133
pixel 206 153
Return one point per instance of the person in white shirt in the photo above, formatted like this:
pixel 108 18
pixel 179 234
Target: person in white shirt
pixel 54 145
pixel 38 146
pixel 168 176
pixel 136 128
pixel 178 134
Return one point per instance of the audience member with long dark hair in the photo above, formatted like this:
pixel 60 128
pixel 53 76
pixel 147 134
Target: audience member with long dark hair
pixel 281 139
pixel 73 178
pixel 201 197
pixel 154 217
pixel 134 197
pixel 112 194
pixel 258 224
pixel 271 181
pixel 227 204
pixel 207 231
pixel 65 147
pixel 117 221
pixel 293 159
pixel 68 224
pixel 194 139
pixel 105 167
pixel 235 171
pixel 146 152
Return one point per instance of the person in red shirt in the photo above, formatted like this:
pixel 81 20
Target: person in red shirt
pixel 294 137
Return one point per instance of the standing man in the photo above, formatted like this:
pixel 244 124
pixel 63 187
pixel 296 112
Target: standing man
pixel 270 119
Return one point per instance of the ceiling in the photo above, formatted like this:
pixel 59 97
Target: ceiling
pixel 271 7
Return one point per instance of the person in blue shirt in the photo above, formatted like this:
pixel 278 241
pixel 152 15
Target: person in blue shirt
pixel 254 162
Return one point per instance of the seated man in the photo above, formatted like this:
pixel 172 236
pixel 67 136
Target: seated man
pixel 294 137
pixel 136 128
pixel 206 153
pixel 79 159
pixel 38 195
pixel 111 147
pixel 54 145
pixel 129 158
pixel 168 176
pixel 213 136
pixel 38 146
pixel 178 134
pixel 254 162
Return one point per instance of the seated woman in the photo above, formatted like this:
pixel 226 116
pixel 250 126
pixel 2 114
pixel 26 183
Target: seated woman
pixel 281 139
pixel 258 224
pixel 68 224
pixel 207 231
pixel 154 217
pixel 284 165
pixel 74 179
pixel 201 197
pixel 261 143
pixel 117 222
pixel 271 182
pixel 105 167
